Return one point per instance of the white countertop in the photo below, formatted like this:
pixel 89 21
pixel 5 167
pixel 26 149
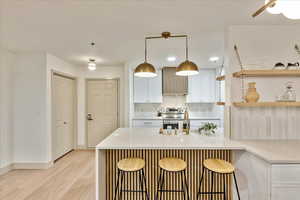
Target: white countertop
pixel 276 152
pixel 160 118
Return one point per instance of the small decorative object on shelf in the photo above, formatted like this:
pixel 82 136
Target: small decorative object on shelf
pixel 279 66
pixel 293 66
pixel 290 66
pixel 208 129
pixel 252 95
pixel 289 95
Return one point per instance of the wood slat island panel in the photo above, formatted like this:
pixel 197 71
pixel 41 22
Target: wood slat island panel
pixel 194 159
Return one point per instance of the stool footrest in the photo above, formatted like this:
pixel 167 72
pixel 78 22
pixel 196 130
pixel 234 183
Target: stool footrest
pixel 211 192
pixel 170 191
pixel 133 191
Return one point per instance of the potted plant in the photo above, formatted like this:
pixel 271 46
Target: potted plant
pixel 208 129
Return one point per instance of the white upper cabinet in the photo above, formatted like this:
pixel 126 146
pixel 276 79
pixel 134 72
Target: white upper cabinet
pixel 202 87
pixel 140 90
pixel 155 88
pixel 148 90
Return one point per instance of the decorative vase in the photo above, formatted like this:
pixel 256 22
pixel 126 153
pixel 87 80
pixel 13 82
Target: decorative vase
pixel 251 96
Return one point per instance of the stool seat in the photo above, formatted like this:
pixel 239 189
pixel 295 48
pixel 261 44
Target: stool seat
pixel 131 164
pixel 218 166
pixel 172 164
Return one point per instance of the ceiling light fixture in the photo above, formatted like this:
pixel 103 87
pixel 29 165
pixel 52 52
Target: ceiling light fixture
pixel 186 68
pixel 289 8
pixel 145 70
pixel 214 59
pixel 92 62
pixel 92 65
pixel 171 59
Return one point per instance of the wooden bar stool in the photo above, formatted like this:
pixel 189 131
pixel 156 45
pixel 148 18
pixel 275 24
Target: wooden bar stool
pixel 131 165
pixel 219 167
pixel 172 165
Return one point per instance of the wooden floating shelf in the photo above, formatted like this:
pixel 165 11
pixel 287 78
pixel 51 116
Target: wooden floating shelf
pixel 220 78
pixel 267 104
pixel 220 103
pixel 272 72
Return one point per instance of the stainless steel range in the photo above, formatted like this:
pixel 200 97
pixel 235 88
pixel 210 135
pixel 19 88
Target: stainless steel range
pixel 172 117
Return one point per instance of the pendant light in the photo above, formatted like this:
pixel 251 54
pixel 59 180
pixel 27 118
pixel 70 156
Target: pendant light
pixel 92 62
pixel 187 68
pixel 92 65
pixel 145 69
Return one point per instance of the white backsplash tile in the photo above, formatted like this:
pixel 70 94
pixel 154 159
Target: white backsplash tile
pixel 195 109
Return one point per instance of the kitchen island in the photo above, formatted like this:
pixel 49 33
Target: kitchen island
pixel 253 159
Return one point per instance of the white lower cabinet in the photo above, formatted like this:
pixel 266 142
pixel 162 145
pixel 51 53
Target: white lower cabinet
pixel 137 123
pixel 285 182
pixel 259 179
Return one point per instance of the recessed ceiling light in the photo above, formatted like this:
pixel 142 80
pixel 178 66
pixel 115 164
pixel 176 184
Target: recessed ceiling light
pixel 214 59
pixel 171 58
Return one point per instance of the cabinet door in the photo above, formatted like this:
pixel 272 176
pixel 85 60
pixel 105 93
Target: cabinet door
pixel 140 89
pixel 202 87
pixel 155 88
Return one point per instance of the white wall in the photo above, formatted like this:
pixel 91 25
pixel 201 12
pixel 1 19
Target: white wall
pixel 29 109
pixel 6 117
pixel 25 104
pixel 260 48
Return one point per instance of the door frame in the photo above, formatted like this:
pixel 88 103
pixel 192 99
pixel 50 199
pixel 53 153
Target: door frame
pixel 86 104
pixel 75 117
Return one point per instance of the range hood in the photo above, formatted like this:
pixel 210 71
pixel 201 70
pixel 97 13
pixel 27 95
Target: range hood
pixel 174 85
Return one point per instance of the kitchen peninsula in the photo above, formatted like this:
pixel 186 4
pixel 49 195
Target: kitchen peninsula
pixel 270 162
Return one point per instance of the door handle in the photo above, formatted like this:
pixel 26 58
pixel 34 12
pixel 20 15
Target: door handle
pixel 89 117
pixel 65 122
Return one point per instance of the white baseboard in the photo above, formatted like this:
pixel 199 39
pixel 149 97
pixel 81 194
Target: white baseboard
pixel 80 147
pixel 6 169
pixel 32 165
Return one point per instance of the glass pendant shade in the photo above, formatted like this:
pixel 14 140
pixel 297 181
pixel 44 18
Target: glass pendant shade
pixel 92 65
pixel 289 8
pixel 145 70
pixel 187 68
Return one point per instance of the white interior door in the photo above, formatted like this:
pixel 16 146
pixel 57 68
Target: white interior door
pixel 102 109
pixel 64 104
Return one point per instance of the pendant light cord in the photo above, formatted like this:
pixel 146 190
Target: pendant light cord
pixel 186 47
pixel 145 50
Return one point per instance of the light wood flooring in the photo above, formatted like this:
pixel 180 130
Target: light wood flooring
pixel 71 178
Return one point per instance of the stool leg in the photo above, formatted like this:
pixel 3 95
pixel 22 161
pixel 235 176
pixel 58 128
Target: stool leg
pixel 212 185
pixel 183 184
pixel 147 194
pixel 122 179
pixel 158 184
pixel 117 185
pixel 236 186
pixel 224 187
pixel 186 185
pixel 141 183
pixel 200 183
pixel 162 183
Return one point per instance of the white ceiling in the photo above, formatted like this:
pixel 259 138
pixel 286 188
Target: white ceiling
pixel 118 27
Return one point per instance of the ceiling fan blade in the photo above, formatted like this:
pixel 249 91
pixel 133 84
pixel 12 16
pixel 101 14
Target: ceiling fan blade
pixel 262 9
